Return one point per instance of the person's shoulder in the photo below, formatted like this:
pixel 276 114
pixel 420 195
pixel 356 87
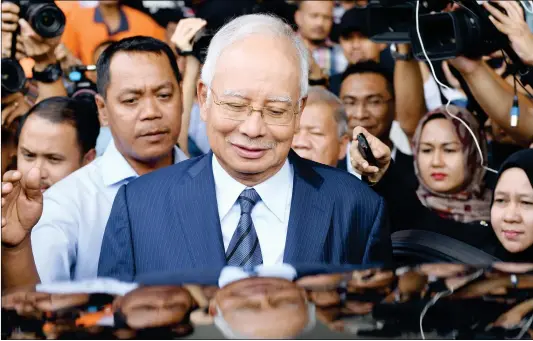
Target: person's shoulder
pixel 86 179
pixel 175 173
pixel 340 182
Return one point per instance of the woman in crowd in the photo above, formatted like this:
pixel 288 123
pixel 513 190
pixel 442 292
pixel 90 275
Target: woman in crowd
pixel 451 197
pixel 512 210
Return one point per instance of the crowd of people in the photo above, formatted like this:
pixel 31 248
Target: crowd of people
pixel 202 141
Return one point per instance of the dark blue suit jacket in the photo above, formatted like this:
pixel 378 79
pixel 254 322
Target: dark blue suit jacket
pixel 168 220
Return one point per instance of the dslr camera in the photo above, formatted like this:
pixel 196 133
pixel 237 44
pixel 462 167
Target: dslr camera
pixel 47 20
pixel 466 31
pixel 78 80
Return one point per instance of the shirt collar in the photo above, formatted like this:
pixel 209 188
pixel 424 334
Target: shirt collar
pixel 273 191
pixel 230 274
pixel 122 27
pixel 115 168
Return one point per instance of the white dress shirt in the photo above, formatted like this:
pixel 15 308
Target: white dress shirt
pixel 270 215
pixel 67 239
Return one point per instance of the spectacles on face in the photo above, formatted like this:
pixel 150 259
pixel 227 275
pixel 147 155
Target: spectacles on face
pixel 370 103
pixel 240 111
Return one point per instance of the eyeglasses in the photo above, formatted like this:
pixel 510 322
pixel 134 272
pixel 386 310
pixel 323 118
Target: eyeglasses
pixel 240 111
pixel 368 103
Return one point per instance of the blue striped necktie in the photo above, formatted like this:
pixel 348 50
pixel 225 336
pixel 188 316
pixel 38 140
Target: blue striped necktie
pixel 244 249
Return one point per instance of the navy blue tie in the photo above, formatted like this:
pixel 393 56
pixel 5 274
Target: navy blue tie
pixel 244 249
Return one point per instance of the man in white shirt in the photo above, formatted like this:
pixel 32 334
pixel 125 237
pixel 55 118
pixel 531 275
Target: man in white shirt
pixel 140 99
pixel 251 200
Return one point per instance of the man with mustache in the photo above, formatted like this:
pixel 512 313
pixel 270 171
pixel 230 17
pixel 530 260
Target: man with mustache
pixel 314 20
pixel 140 99
pixel 58 136
pixel 251 200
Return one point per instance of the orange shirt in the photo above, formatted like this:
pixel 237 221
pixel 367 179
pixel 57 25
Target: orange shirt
pixel 85 30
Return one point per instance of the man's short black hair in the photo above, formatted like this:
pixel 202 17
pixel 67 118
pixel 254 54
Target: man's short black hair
pixel 78 112
pixel 137 44
pixel 370 67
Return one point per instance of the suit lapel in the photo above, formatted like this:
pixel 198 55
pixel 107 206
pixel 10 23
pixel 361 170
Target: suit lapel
pixel 310 216
pixel 198 215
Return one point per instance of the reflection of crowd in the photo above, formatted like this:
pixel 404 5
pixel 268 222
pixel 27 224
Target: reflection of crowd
pixel 272 303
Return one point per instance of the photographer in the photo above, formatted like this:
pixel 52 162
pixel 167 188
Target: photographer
pixel 493 93
pixel 46 71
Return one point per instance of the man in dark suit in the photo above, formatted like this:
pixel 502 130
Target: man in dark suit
pixel 251 200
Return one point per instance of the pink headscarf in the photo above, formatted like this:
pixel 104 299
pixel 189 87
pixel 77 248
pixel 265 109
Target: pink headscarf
pixel 472 202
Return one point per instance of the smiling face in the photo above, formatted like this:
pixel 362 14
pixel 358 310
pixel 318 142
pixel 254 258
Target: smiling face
pixel 259 71
pixel 263 307
pixel 512 211
pixel 441 161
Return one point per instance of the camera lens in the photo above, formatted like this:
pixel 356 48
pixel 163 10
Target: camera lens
pixel 47 20
pixel 13 77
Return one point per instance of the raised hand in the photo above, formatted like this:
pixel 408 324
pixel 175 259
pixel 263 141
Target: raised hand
pixel 514 26
pixel 185 32
pixel 22 205
pixel 381 152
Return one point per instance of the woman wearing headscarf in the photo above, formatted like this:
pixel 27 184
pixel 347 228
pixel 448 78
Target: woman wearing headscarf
pixel 512 210
pixel 451 197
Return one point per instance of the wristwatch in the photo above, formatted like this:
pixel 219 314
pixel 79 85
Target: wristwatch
pixel 400 56
pixel 184 53
pixel 49 75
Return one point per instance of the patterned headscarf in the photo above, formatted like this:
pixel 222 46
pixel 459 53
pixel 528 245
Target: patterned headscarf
pixel 472 202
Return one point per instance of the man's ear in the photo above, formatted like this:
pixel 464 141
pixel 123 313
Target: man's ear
pixel 201 91
pixel 303 102
pixel 343 143
pixel 382 47
pixel 102 110
pixel 89 157
pixel 298 16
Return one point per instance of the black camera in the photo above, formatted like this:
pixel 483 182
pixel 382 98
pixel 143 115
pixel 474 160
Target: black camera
pixel 466 31
pixel 46 19
pixel 13 77
pixel 79 81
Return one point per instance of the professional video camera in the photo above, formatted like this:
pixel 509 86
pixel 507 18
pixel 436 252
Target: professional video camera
pixel 47 20
pixel 79 80
pixel 466 31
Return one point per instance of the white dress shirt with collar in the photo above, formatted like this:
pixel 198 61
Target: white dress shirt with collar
pixel 270 215
pixel 67 239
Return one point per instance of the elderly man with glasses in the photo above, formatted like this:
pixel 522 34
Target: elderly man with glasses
pixel 252 200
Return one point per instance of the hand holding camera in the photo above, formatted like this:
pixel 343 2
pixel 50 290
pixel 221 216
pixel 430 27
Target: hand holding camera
pixel 185 33
pixel 10 17
pixel 378 158
pixel 514 26
pixel 36 47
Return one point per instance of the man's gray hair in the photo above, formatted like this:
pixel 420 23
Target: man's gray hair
pixel 229 333
pixel 318 94
pixel 245 26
